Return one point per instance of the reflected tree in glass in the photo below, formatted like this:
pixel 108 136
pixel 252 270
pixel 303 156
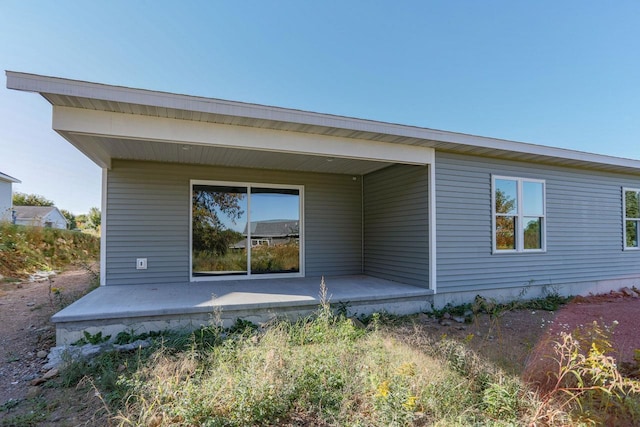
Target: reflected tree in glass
pixel 532 233
pixel 216 247
pixel 632 215
pixel 505 208
pixel 533 210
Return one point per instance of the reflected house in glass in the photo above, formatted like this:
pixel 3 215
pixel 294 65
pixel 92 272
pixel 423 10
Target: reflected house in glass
pixel 272 232
pixel 255 204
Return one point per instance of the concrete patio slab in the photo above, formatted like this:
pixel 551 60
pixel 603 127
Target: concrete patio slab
pixel 143 308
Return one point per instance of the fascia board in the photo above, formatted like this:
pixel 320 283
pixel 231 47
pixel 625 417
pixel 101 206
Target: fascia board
pixel 429 137
pixel 128 126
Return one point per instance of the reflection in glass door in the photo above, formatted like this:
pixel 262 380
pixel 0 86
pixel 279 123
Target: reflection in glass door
pixel 244 230
pixel 219 214
pixel 275 230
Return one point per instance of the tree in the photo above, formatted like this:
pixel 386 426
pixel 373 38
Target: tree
pixel 71 219
pixel 209 233
pixel 81 221
pixel 95 217
pixel 22 199
pixel 89 222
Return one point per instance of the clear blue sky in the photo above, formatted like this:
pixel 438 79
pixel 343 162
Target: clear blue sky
pixel 558 73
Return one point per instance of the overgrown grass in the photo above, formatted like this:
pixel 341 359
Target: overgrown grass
pixel 26 249
pixel 324 370
pixel 329 370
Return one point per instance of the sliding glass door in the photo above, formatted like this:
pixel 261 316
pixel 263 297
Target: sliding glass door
pixel 275 230
pixel 245 230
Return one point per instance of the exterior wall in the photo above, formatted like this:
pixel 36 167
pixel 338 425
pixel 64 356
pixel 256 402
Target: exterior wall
pixel 5 200
pixel 396 224
pixel 583 218
pixel 56 218
pixel 148 206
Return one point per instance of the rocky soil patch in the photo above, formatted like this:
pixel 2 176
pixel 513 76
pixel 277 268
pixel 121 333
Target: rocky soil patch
pixel 29 392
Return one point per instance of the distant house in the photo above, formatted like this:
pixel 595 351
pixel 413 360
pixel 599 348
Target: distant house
pixel 271 232
pixel 6 196
pixel 43 216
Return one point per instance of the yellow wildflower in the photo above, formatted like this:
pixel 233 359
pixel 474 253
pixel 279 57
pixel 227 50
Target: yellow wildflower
pixel 410 403
pixel 383 389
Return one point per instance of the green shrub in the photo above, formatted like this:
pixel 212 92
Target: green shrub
pixel 26 249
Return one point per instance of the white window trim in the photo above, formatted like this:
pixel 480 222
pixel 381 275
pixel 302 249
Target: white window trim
pixel 248 276
pixel 625 219
pixel 519 216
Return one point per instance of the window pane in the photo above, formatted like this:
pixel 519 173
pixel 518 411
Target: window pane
pixel 532 198
pixel 631 199
pixel 219 215
pixel 506 196
pixel 533 233
pixel 505 232
pixel 275 231
pixel 632 229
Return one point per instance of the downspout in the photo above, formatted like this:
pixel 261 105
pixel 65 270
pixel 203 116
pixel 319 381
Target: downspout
pixel 432 227
pixel 362 223
pixel 103 230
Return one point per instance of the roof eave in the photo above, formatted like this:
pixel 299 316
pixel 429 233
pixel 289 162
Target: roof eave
pixel 438 139
pixel 9 178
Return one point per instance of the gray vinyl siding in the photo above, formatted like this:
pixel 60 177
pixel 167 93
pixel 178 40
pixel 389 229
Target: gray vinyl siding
pixel 396 224
pixel 583 220
pixel 148 209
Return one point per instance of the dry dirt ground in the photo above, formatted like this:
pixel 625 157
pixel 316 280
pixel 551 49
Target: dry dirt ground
pixel 25 330
pixel 511 340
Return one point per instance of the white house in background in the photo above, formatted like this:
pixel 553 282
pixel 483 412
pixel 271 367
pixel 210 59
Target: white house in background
pixel 44 216
pixel 6 196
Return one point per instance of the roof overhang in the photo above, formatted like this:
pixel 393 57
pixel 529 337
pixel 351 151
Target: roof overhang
pixel 8 178
pixel 112 122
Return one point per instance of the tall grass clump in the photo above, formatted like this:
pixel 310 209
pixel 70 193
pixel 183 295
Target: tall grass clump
pixel 25 249
pixel 321 370
pixel 584 384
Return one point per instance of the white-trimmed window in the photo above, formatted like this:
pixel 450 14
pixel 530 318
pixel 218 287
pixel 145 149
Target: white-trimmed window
pixel 518 214
pixel 244 230
pixel 631 212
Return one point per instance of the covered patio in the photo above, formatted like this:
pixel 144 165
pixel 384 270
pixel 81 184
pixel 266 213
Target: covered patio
pixel 364 209
pixel 144 308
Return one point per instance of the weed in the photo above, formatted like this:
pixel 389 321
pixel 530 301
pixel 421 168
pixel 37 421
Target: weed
pixel 94 273
pixel 127 337
pixel 9 404
pixel 324 369
pixel 90 338
pixel 12 357
pixel 33 417
pixel 501 400
pixel 586 381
